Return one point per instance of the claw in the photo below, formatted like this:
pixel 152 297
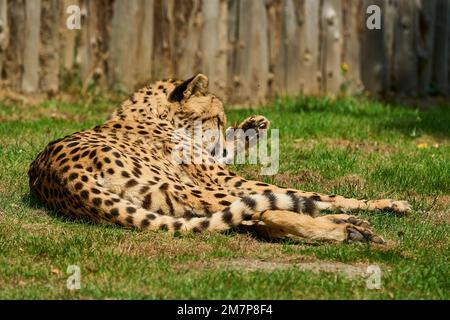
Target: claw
pixel 401 206
pixel 360 234
pixel 378 239
pixel 354 235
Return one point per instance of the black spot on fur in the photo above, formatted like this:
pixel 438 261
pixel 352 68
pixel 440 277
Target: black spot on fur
pixel 204 224
pixel 131 210
pixel 249 202
pixel 225 203
pixel 164 186
pixel 73 176
pixel 131 183
pixel 72 144
pixel 73 151
pixel 227 216
pixel 145 223
pixel 108 203
pixel 97 202
pixel 309 206
pixel 177 225
pixel 129 220
pixel 272 199
pixel 295 202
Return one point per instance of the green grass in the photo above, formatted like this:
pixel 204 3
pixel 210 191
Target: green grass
pixel 351 147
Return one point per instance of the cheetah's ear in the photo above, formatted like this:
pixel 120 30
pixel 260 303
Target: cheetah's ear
pixel 197 85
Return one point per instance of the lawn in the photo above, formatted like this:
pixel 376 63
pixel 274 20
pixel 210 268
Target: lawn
pixel 353 147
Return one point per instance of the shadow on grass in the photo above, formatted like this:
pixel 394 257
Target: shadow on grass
pixel 35 204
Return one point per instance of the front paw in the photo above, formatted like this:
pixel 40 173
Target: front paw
pixel 400 206
pixel 361 234
pixel 254 122
pixel 396 206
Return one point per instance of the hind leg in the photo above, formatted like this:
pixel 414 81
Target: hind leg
pixel 337 228
pixel 326 202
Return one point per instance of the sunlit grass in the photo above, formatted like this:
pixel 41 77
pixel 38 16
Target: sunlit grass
pixel 351 147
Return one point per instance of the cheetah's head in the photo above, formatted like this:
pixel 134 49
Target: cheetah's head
pixel 193 101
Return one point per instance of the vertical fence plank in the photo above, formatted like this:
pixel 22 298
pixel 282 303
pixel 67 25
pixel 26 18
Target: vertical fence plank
pixel 373 69
pixel 310 58
pixel 189 26
pixel 388 29
pixel 4 32
pixel 163 40
pixel 13 64
pixel 252 73
pixel 405 54
pixel 425 43
pixel 233 38
pixel 293 46
pixel 67 39
pixel 90 56
pixel 123 43
pixel 276 46
pixel 131 49
pixel 32 22
pixel 215 43
pixel 351 58
pixel 50 45
pixel 145 22
pixel 441 47
pixel 331 42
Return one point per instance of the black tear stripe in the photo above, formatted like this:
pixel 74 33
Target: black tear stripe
pixel 272 198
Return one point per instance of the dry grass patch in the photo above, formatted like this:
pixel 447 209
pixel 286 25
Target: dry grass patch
pixel 300 263
pixel 157 244
pixel 366 146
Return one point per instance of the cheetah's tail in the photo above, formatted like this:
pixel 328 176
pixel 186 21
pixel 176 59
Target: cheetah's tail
pixel 123 212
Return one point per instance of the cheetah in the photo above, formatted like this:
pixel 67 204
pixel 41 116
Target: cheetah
pixel 122 172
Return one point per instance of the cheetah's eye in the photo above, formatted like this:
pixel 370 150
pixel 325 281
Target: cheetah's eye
pixel 163 115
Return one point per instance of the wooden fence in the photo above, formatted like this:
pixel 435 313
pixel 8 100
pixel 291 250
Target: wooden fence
pixel 250 49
